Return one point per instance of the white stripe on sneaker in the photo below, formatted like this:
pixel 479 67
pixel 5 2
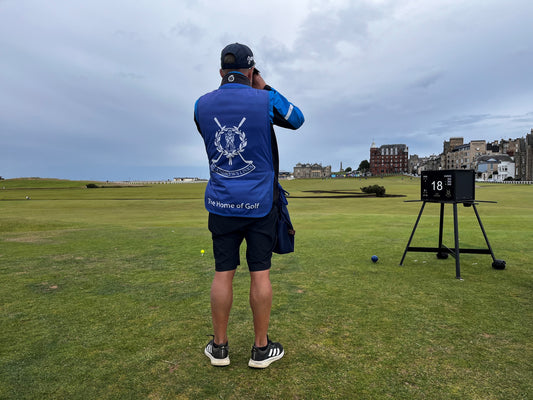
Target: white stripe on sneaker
pixel 273 352
pixel 265 363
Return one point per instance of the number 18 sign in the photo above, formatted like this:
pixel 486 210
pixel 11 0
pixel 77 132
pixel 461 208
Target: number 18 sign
pixel 447 186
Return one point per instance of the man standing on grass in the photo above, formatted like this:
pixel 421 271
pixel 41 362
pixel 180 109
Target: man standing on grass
pixel 236 122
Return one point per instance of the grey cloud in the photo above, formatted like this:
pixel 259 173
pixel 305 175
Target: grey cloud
pixel 427 80
pixel 524 119
pixel 120 89
pixel 188 29
pixel 130 75
pixel 130 36
pixel 475 125
pixel 325 27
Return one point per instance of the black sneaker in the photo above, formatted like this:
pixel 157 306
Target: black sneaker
pixel 263 358
pixel 218 354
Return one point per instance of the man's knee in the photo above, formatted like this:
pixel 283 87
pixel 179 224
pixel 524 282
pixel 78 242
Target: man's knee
pixel 260 276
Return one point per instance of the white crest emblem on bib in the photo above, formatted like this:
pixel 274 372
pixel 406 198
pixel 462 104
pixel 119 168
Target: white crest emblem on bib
pixel 225 142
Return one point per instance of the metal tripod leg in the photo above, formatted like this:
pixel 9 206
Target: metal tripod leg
pixel 456 237
pixel 441 224
pixel 442 251
pixel 413 233
pixel 484 234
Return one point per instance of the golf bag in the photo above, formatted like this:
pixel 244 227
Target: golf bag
pixel 285 230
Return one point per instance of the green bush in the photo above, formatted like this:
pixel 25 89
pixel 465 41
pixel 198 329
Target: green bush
pixel 91 186
pixel 378 190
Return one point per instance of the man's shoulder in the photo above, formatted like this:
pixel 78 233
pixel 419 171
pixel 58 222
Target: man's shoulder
pixel 208 93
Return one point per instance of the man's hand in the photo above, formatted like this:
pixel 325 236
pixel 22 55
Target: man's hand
pixel 257 81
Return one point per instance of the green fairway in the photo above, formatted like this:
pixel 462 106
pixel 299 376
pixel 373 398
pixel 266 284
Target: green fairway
pixel 104 294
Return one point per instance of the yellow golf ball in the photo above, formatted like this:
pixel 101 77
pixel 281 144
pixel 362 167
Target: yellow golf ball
pixel 202 251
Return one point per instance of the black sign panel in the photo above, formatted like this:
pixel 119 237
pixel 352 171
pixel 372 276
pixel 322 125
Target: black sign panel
pixel 447 186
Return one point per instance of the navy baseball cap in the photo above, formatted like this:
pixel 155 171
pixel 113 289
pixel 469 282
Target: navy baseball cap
pixel 244 58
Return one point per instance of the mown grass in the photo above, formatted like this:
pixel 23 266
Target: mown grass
pixel 105 295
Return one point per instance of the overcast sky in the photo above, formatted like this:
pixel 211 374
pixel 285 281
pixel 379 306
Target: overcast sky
pixel 105 89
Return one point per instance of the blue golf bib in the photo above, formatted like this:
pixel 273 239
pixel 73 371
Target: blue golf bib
pixel 235 125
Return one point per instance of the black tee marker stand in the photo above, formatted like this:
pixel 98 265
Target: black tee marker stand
pixel 450 187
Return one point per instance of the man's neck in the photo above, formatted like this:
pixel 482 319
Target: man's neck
pixel 235 77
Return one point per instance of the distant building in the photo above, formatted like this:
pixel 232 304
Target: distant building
pixel 463 156
pixel 284 175
pixel 529 157
pixel 509 146
pixel 459 155
pixel 452 144
pixel 389 159
pixel 414 163
pixel 418 164
pixel 524 158
pixel 185 179
pixel 303 171
pixel 497 167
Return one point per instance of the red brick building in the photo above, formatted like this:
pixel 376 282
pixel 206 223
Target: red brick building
pixel 389 159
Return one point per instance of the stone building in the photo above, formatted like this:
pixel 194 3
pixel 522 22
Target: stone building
pixel 302 171
pixel 463 156
pixel 509 147
pixel 452 144
pixel 524 158
pixel 529 157
pixel 459 155
pixel 418 164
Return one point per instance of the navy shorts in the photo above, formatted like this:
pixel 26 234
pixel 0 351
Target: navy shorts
pixel 228 234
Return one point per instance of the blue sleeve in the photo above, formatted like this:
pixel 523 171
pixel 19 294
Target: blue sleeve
pixel 282 112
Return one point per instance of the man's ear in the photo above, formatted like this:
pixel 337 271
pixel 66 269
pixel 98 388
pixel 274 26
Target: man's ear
pixel 221 73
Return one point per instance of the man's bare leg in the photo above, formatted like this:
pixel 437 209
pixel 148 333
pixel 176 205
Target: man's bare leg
pixel 221 302
pixel 261 304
